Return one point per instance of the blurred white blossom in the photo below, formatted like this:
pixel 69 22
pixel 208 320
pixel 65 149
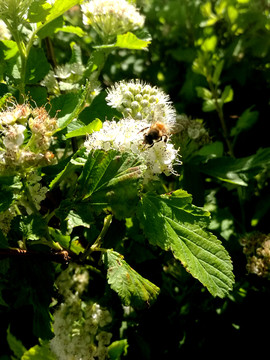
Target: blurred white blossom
pixel 79 326
pixel 110 18
pixel 4 32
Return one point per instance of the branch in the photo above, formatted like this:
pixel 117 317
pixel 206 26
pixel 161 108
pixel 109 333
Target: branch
pixel 62 256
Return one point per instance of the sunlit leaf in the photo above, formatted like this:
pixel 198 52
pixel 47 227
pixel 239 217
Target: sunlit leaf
pixel 130 41
pixel 173 223
pixel 85 130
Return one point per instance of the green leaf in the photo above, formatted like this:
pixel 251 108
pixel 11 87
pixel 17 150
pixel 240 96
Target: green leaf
pixel 217 72
pixel 130 41
pixel 203 93
pixel 38 11
pixel 85 130
pixel 71 30
pixel 237 171
pixel 105 169
pixel 59 8
pixel 127 41
pixel 51 28
pixel 39 352
pixel 37 66
pixel 8 49
pixel 33 227
pixel 209 105
pixel 110 181
pixel 117 349
pixel 209 44
pixel 66 242
pixel 15 345
pixel 247 119
pixel 173 223
pixel 132 288
pixel 67 103
pixel 227 94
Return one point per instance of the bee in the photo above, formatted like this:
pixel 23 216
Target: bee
pixel 157 132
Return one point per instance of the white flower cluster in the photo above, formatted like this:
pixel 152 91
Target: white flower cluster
pixel 144 106
pixel 15 122
pixel 79 326
pixel 110 18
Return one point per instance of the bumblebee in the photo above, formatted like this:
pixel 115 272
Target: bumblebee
pixel 157 132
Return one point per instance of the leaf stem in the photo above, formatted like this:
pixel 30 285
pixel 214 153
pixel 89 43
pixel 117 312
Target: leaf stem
pixel 221 118
pixel 97 244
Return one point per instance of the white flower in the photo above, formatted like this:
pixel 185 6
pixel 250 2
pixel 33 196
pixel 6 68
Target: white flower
pixel 13 136
pixel 111 17
pixel 4 32
pixel 139 100
pixel 127 135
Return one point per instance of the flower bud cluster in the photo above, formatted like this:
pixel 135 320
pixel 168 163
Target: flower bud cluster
pixel 79 327
pixel 191 134
pixel 64 78
pixel 110 18
pixel 257 250
pixel 128 134
pixel 140 101
pixel 18 150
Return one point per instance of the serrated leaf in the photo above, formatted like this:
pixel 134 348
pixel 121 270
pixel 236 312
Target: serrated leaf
pixel 173 223
pixel 132 288
pixel 104 169
pixel 110 180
